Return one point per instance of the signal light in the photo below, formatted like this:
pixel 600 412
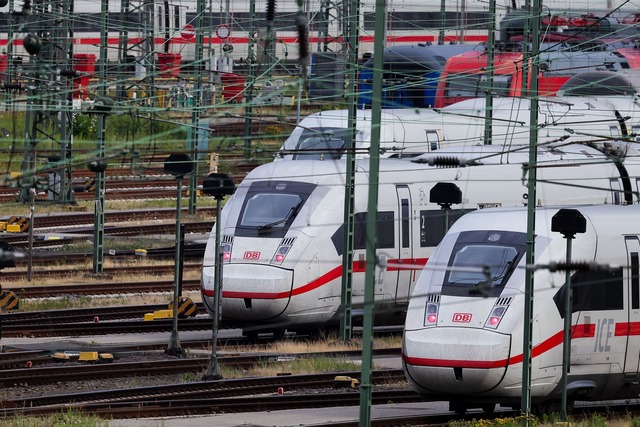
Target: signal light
pixel 496 316
pixel 226 252
pixel 281 254
pixel 431 314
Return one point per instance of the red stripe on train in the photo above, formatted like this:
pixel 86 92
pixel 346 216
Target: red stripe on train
pixel 587 330
pixel 358 267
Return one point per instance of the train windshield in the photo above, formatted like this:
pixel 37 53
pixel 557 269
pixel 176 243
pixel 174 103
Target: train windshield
pixel 270 207
pixel 473 85
pixel 322 143
pixel 482 261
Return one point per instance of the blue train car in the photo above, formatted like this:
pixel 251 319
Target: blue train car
pixel 410 76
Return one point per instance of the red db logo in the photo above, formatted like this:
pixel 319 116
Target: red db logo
pixel 462 317
pixel 252 255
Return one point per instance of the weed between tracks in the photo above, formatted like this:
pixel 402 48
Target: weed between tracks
pixel 67 419
pixel 551 421
pixel 302 364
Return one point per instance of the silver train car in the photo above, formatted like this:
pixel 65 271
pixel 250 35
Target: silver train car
pixel 282 231
pixel 463 339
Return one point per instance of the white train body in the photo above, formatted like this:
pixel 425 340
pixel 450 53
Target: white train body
pixel 463 339
pixel 408 132
pixel 407 23
pixel 282 231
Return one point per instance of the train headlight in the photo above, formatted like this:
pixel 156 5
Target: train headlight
pixel 431 314
pixel 495 317
pixel 226 252
pixel 281 254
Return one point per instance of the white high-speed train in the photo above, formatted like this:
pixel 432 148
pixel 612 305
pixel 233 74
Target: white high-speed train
pixel 282 231
pixel 463 338
pixel 408 132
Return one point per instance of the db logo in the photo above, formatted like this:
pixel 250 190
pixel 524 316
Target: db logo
pixel 461 317
pixel 252 255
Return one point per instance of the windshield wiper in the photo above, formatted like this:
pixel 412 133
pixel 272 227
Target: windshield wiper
pixel 292 213
pixel 483 287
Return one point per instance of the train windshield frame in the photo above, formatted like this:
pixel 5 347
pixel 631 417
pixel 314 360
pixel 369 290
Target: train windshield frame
pixel 270 207
pixel 482 262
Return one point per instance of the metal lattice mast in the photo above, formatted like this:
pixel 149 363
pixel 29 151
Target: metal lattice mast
pixel 98 223
pixel 372 216
pixel 251 59
pixel 149 51
pixel 10 65
pixel 123 44
pixel 197 100
pixel 49 116
pixel 351 26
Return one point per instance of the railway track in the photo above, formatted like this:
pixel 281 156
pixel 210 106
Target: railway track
pixel 221 395
pixel 109 288
pixel 51 372
pixel 151 182
pixel 47 329
pixel 138 270
pixel 44 222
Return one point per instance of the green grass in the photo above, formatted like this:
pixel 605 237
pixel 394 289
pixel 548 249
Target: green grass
pixel 67 419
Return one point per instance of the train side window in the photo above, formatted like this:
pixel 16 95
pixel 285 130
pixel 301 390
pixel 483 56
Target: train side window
pixel 593 291
pixel 615 131
pixel 433 140
pixel 432 225
pixel 616 198
pixel 160 16
pixel 386 233
pixel 635 281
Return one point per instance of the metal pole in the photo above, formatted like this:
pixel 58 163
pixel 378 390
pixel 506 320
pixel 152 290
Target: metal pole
pixel 349 193
pixel 531 217
pixel 195 111
pixel 566 343
pixel 98 223
pixel 174 345
pixel 442 21
pixel 214 371
pixel 488 111
pixel 31 225
pixel 374 165
pixel 248 108
pixel 11 69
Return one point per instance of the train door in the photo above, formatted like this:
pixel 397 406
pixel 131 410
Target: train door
pixel 633 297
pixel 404 263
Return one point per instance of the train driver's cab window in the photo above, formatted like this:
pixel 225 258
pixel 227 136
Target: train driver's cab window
pixel 270 208
pixel 501 85
pixel 274 209
pixel 320 148
pixel 482 261
pixel 322 143
pixel 462 85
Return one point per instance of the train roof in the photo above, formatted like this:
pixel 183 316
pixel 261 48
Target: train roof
pixel 602 83
pixel 605 216
pixel 430 56
pixel 469 155
pixel 332 171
